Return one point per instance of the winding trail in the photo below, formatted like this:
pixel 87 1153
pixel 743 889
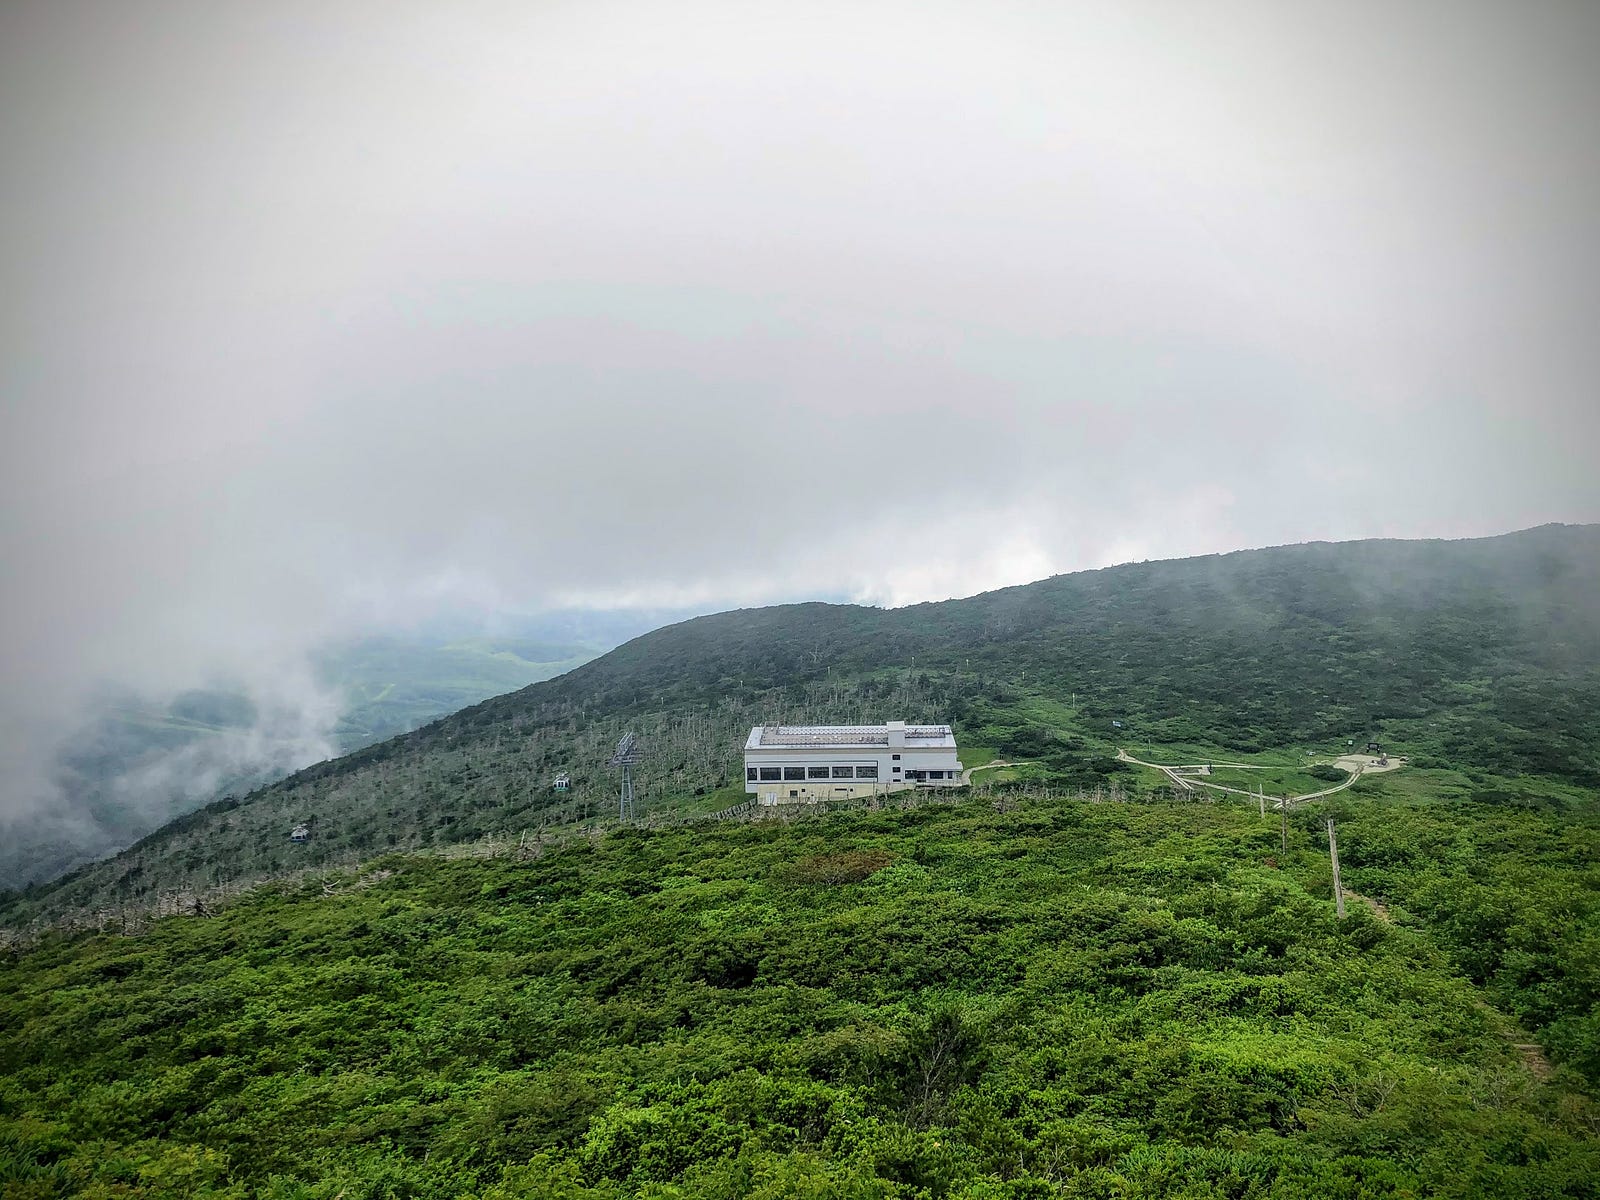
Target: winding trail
pixel 1356 764
pixel 966 776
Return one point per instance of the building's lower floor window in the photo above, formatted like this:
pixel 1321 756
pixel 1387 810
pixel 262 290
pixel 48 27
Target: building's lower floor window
pixel 809 773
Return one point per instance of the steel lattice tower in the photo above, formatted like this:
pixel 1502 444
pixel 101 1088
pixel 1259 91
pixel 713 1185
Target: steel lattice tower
pixel 627 756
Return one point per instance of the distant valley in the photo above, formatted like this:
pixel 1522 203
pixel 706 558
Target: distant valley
pixel 137 763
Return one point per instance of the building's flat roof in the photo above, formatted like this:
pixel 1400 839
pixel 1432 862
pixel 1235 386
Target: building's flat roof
pixel 830 737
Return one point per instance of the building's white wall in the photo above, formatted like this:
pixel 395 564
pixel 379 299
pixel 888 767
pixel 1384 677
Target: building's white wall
pixel 885 759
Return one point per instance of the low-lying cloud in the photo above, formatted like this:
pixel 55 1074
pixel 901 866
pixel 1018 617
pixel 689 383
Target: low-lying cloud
pixel 321 317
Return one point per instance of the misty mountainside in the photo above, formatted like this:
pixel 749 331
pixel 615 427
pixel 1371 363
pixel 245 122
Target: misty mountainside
pixel 1479 658
pixel 1068 981
pixel 136 763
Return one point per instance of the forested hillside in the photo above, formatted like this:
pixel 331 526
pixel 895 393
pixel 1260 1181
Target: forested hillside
pixel 1481 654
pixel 134 763
pixel 1068 982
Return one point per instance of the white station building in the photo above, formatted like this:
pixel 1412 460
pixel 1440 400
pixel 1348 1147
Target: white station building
pixel 797 764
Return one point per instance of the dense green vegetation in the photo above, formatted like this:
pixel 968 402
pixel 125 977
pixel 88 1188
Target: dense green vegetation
pixel 1067 984
pixel 1505 878
pixel 1478 652
pixel 1017 998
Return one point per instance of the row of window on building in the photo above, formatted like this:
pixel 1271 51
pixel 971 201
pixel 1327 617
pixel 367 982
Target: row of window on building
pixel 774 774
pixel 804 774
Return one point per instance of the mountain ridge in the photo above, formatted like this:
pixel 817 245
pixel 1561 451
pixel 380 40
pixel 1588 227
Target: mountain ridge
pixel 1495 641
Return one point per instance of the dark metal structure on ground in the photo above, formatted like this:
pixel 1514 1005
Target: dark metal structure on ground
pixel 627 756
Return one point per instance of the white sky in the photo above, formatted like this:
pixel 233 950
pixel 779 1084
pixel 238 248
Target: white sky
pixel 325 315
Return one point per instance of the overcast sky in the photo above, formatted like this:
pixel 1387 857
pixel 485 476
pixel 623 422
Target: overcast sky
pixel 332 315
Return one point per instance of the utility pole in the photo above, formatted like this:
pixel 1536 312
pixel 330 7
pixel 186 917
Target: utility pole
pixel 1261 801
pixel 1283 810
pixel 1333 853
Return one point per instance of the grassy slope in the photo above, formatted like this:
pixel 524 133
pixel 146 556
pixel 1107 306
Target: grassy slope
pixel 1137 1000
pixel 1482 652
pixel 1056 999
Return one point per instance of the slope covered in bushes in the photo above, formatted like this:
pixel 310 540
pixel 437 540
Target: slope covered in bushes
pixel 1024 1000
pixel 1484 653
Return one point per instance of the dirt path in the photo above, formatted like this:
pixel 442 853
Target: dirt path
pixel 966 776
pixel 1532 1055
pixel 1186 783
pixel 1355 774
pixel 1357 765
pixel 1379 909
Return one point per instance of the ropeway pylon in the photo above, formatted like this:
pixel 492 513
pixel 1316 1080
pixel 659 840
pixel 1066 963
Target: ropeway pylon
pixel 627 756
